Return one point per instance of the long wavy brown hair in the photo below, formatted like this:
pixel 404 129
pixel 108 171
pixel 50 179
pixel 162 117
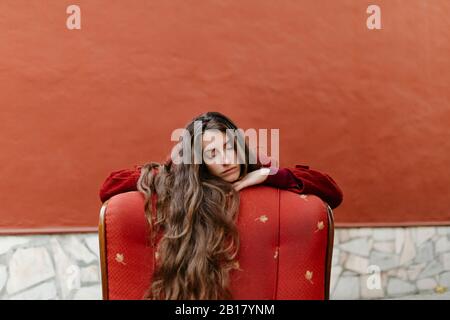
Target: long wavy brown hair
pixel 197 213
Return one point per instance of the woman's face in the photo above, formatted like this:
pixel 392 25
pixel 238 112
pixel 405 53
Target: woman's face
pixel 219 155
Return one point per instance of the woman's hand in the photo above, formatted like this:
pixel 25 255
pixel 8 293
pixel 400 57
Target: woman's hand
pixel 252 178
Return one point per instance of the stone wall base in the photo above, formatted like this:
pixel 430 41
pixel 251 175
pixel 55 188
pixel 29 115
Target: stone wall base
pixel 368 263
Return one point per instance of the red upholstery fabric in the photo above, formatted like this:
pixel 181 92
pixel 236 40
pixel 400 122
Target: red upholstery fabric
pixel 283 252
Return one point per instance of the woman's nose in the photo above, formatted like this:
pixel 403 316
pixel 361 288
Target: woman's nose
pixel 228 157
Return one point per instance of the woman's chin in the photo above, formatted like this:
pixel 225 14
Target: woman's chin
pixel 231 178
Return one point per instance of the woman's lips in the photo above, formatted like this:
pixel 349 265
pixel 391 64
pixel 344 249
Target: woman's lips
pixel 229 171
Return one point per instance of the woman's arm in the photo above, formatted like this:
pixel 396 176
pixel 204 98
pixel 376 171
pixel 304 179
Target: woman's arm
pixel 119 182
pixel 302 179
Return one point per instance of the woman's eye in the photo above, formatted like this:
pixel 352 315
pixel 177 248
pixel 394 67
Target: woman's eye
pixel 212 153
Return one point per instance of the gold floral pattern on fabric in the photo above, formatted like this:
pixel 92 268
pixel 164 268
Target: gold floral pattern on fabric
pixel 237 266
pixel 309 276
pixel 320 226
pixel 262 218
pixel 120 258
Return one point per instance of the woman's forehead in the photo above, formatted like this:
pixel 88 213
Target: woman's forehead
pixel 213 137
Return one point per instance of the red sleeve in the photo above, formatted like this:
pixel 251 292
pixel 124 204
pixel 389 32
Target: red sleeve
pixel 119 182
pixel 302 179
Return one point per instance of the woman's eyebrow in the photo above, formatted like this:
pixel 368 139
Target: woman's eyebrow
pixel 224 144
pixel 214 147
pixel 229 139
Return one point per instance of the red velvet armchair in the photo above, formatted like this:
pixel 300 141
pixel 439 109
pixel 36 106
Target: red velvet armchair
pixel 285 251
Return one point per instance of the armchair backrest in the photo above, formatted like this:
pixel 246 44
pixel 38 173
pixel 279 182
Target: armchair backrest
pixel 286 243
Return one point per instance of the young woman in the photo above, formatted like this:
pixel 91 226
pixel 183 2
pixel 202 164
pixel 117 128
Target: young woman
pixel 197 206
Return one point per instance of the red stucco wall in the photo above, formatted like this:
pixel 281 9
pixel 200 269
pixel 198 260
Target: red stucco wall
pixel 369 107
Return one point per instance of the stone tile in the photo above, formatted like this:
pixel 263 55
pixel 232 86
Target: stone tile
pixel 357 264
pixel 398 287
pixel 384 246
pixel 445 260
pixel 385 261
pixel 343 258
pixel 359 246
pixel 3 276
pixel 399 239
pixel 422 234
pixel 90 274
pixel 28 267
pixel 444 279
pixel 425 252
pixel 414 271
pixel 335 258
pixel 442 245
pixel 78 250
pixel 37 241
pixel 89 293
pixel 92 244
pixel 347 288
pixel 10 242
pixel 44 291
pixel 442 231
pixel 384 280
pixel 426 284
pixel 392 273
pixel 360 232
pixel 371 287
pixel 383 234
pixel 430 296
pixel 343 235
pixel 402 274
pixel 408 252
pixel 335 273
pixel 336 237
pixel 67 272
pixel 432 269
